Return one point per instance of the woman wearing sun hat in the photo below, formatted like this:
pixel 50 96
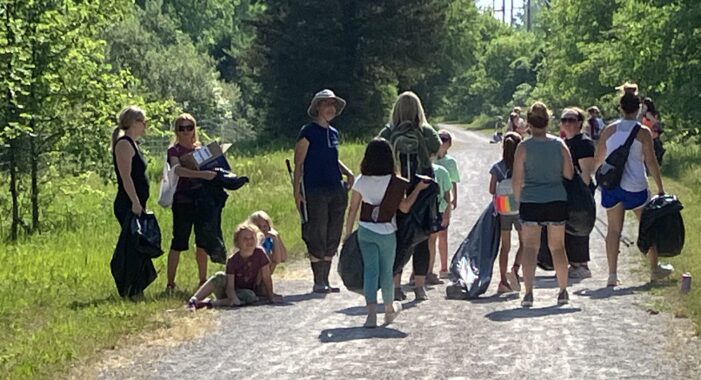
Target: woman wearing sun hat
pixel 318 186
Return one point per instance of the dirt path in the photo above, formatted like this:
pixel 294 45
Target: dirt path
pixel 602 334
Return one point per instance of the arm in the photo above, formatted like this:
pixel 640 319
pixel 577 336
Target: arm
pixel 407 202
pixel 517 177
pixel 645 137
pixel 567 166
pixel 455 195
pixel 268 284
pixel 587 166
pixel 446 213
pixel 493 184
pixel 600 155
pixel 279 249
pixel 231 298
pixel 124 152
pixel 301 149
pixel 350 178
pixel 189 173
pixel 356 198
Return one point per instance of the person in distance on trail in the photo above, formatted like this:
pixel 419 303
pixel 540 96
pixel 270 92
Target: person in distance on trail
pixel 184 212
pixel 632 193
pixel 319 192
pixel 540 164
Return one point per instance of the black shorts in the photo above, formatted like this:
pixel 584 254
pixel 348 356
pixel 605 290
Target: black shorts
pixel 550 213
pixel 326 210
pixel 184 218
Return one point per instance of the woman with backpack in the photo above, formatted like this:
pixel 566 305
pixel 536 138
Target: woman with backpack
pixel 632 191
pixel 320 194
pixel 413 142
pixel 501 187
pixel 540 164
pixel 582 151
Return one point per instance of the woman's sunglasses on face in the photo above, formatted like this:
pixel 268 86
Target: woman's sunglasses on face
pixel 186 127
pixel 566 120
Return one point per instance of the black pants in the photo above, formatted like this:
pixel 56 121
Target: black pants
pixel 420 259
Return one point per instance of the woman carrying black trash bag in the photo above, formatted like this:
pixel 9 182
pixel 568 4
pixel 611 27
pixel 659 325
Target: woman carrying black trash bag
pixel 183 208
pixel 133 272
pixel 319 192
pixel 632 193
pixel 582 152
pixel 540 164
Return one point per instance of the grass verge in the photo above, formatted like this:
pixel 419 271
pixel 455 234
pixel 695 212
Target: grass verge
pixel 58 302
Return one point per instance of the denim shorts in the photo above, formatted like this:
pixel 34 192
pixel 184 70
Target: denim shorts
pixel 630 200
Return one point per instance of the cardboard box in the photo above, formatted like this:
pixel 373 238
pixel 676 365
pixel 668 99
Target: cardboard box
pixel 207 158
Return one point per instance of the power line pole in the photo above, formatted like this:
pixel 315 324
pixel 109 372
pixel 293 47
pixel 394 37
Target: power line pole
pixel 528 15
pixel 511 20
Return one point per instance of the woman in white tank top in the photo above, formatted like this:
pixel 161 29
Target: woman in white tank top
pixel 632 193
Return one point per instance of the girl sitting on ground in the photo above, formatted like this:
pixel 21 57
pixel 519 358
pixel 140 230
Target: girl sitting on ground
pixel 502 171
pixel 272 243
pixel 247 275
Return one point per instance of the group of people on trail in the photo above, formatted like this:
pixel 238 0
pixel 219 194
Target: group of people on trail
pixel 404 169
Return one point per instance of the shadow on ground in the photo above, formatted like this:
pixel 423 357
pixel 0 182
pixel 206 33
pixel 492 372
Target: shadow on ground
pixel 511 314
pixel 345 334
pixel 608 292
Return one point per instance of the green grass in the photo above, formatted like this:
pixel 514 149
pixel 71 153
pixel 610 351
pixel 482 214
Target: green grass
pixel 58 302
pixel 682 176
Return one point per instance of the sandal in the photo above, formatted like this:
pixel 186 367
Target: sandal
pixel 504 288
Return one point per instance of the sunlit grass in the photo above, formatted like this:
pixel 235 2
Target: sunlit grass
pixel 58 301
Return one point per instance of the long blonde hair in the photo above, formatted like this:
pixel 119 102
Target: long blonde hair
pixel 408 108
pixel 127 116
pixel 246 226
pixel 178 121
pixel 260 215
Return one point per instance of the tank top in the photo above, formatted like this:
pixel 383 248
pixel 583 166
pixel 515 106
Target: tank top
pixel 138 174
pixel 634 177
pixel 543 171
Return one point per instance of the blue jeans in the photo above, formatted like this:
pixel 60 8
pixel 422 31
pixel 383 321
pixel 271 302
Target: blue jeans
pixel 378 260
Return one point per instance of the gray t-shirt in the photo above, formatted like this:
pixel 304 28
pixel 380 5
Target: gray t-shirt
pixel 543 171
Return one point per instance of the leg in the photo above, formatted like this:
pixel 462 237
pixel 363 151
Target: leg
pixel 336 213
pixel 615 217
pixel 556 243
pixel 432 239
pixel 387 252
pixel 370 251
pixel 215 284
pixel 173 260
pixel 531 245
pixel 443 249
pixel 420 264
pixel 314 236
pixel 183 221
pixel 201 258
pixel 504 254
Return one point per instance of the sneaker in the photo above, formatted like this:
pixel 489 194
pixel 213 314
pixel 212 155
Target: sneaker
pixel 390 317
pixel 578 272
pixel 661 272
pixel 504 288
pixel 420 293
pixel 613 280
pixel 320 289
pixel 513 281
pixel 563 298
pixel 444 274
pixel 332 289
pixel 527 300
pixel 399 295
pixel 432 279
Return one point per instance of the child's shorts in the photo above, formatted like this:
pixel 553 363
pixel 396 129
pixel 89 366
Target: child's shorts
pixel 246 296
pixel 630 200
pixel 507 222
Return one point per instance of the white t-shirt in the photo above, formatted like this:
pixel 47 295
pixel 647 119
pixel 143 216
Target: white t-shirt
pixel 372 189
pixel 634 177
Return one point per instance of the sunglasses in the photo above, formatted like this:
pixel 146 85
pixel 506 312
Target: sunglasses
pixel 188 127
pixel 569 120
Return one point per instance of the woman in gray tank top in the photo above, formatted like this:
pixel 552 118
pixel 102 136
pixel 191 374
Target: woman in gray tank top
pixel 540 164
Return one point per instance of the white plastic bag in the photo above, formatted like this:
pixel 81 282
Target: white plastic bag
pixel 169 183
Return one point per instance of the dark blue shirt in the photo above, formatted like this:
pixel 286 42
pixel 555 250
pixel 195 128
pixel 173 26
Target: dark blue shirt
pixel 321 169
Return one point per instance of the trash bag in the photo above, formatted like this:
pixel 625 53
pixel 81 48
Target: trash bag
pixel 148 234
pixel 581 207
pixel 209 204
pixel 545 257
pixel 229 180
pixel 350 264
pixel 415 227
pixel 662 226
pixel 132 270
pixel 471 266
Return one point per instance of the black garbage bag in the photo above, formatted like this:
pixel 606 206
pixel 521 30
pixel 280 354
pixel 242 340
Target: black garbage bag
pixel 229 180
pixel 545 258
pixel 148 234
pixel 581 207
pixel 471 266
pixel 132 270
pixel 350 265
pixel 415 227
pixel 209 203
pixel 662 226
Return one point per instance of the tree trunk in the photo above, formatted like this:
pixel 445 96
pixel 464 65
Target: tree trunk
pixel 34 195
pixel 13 191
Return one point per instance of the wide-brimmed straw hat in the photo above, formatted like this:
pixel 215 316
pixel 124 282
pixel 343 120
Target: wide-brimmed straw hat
pixel 323 95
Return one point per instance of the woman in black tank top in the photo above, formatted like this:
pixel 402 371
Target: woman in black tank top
pixel 129 164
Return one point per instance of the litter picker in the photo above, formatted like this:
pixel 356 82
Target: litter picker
pixel 303 215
